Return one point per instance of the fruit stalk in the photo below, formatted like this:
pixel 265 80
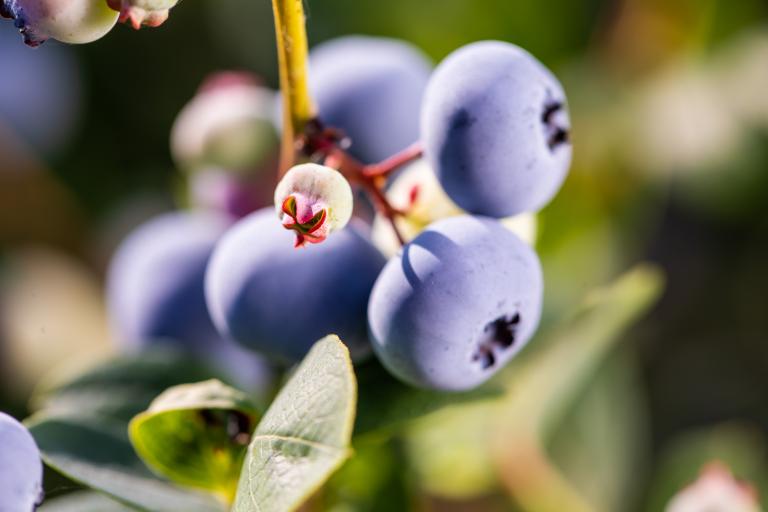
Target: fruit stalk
pixel 298 108
pixel 301 128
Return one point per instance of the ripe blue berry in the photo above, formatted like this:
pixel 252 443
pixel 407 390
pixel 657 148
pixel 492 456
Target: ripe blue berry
pixel 456 304
pixel 233 194
pixel 370 88
pixel 155 291
pixel 21 469
pixel 69 21
pixel 40 100
pixel 496 130
pixel 278 300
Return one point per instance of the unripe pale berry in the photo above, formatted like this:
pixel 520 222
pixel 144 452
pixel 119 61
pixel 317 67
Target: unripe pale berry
pixel 69 21
pixel 227 125
pixel 314 201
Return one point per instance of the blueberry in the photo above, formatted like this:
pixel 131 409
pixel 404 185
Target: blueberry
pixel 496 130
pixel 69 21
pixel 40 92
pixel 456 304
pixel 278 300
pixel 155 292
pixel 21 468
pixel 370 88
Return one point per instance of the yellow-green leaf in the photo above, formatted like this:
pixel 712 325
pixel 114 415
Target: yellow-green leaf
pixel 304 436
pixel 196 435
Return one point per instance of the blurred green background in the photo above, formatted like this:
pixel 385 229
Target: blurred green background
pixel 669 101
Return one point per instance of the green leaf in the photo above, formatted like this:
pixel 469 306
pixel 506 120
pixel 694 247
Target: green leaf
pixel 82 429
pixel 544 384
pixel 304 436
pixel 119 388
pixel 450 453
pixel 387 404
pixel 84 501
pixel 99 455
pixel 605 429
pixel 196 435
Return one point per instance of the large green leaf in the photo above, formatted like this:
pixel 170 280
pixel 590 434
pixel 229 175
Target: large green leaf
pixel 82 429
pixel 196 435
pixel 119 388
pixel 304 436
pixel 99 455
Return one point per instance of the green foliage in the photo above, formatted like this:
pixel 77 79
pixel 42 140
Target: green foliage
pixel 196 435
pixel 82 430
pixel 97 454
pixel 457 453
pixel 741 447
pixel 119 388
pixel 386 404
pixel 304 435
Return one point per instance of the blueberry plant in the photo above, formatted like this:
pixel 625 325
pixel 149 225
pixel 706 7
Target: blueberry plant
pixel 400 236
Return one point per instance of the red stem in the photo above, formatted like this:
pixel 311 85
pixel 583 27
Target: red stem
pixel 319 141
pixel 354 171
pixel 383 168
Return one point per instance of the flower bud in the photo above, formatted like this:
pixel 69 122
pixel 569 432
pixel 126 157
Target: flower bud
pixel 314 201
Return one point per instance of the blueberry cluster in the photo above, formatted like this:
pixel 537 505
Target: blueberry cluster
pixel 450 307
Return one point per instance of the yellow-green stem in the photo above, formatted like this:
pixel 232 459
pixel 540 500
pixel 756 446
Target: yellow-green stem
pixel 298 109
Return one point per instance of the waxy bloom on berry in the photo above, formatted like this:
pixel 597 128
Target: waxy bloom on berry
pixel 313 200
pixel 69 21
pixel 150 13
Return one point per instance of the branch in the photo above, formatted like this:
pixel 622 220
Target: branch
pixel 298 108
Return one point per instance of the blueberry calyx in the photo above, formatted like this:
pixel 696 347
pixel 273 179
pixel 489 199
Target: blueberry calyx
pixel 556 133
pixel 498 334
pixel 300 216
